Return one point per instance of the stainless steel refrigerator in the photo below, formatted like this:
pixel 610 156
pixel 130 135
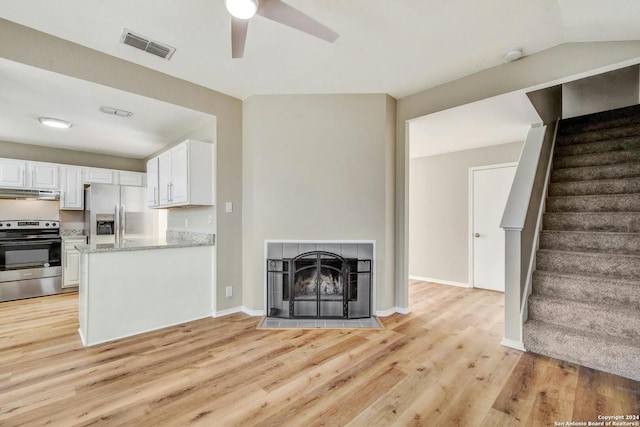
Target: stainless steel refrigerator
pixel 115 213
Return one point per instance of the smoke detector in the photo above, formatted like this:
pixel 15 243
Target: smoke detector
pixel 144 43
pixel 512 55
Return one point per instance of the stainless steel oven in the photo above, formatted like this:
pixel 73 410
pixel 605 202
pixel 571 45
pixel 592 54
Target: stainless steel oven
pixel 30 259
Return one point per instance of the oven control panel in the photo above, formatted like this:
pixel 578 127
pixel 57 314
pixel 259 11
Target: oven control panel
pixel 29 224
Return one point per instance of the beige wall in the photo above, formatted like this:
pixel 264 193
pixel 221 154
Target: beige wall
pixel 439 210
pixel 318 167
pixel 39 153
pixel 41 50
pixel 563 62
pixel 615 89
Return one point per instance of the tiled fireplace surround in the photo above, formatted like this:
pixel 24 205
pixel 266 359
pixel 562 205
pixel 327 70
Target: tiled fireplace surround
pixel 350 249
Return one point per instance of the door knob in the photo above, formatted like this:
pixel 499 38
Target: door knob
pixel 477 234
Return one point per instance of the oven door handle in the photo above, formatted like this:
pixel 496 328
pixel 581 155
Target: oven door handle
pixel 31 242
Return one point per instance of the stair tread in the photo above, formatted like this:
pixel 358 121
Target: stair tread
pixel 589 253
pixel 593 306
pixel 597 167
pixel 608 339
pixel 586 232
pixel 620 356
pixel 578 276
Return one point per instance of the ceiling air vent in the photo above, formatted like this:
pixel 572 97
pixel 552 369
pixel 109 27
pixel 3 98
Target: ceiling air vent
pixel 143 43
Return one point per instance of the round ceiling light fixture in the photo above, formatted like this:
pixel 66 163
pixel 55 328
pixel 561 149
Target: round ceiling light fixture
pixel 512 55
pixel 242 9
pixel 55 123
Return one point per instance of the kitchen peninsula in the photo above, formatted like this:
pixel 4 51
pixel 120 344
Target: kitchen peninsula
pixel 142 285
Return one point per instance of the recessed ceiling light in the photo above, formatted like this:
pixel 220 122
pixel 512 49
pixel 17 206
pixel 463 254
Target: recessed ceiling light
pixel 512 55
pixel 54 123
pixel 242 9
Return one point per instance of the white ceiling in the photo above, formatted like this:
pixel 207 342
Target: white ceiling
pixel 498 120
pixel 396 47
pixel 27 93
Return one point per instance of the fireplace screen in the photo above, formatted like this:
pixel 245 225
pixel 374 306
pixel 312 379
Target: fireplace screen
pixel 319 285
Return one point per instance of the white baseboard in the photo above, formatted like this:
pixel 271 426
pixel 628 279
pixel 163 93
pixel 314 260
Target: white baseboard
pixel 392 310
pixel 440 281
pixel 518 345
pixel 251 312
pixel 227 312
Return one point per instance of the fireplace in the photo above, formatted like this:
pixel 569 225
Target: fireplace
pixel 319 284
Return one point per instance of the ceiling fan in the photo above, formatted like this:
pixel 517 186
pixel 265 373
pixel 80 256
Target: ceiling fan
pixel 276 10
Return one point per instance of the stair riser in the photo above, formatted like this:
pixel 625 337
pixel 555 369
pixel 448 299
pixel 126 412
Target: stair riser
pixel 607 186
pixel 600 135
pixel 596 159
pixel 623 359
pixel 599 319
pixel 622 144
pixel 604 120
pixel 608 222
pixel 604 242
pixel 610 265
pixel 631 170
pixel 612 292
pixel 618 203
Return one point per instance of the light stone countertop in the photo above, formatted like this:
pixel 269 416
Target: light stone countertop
pixel 173 240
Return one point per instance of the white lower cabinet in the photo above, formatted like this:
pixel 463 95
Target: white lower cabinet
pixel 71 261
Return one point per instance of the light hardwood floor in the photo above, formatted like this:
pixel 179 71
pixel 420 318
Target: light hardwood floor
pixel 440 365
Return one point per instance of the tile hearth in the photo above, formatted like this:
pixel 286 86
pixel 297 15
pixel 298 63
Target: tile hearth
pixel 273 323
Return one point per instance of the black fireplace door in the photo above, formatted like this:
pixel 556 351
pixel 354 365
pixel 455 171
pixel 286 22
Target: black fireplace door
pixel 318 288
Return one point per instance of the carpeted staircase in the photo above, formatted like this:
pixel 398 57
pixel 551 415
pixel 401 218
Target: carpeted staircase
pixel 585 301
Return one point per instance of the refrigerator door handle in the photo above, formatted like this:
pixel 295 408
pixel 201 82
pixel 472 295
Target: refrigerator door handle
pixel 116 223
pixel 123 227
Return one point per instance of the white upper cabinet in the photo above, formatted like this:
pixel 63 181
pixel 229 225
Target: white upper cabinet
pixel 43 175
pixel 99 176
pixel 71 188
pixel 13 173
pixel 152 183
pixel 184 175
pixel 132 179
pixel 25 174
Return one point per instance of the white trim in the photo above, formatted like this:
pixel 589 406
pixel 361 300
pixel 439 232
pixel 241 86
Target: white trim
pixel 392 310
pixel 251 312
pixel 471 283
pixel 439 281
pixel 402 310
pixel 518 345
pixel 227 312
pixel 321 242
pixel 82 340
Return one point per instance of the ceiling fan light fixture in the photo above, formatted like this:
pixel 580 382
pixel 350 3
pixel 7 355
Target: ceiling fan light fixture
pixel 54 123
pixel 242 9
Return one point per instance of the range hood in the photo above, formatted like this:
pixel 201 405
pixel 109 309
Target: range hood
pixel 12 193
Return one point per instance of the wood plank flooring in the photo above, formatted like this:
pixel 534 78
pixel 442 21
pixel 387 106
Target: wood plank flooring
pixel 440 365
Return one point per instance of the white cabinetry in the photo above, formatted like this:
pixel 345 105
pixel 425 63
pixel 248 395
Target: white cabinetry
pixel 99 176
pixel 12 173
pixel 184 175
pixel 71 261
pixel 152 183
pixel 23 174
pixel 133 179
pixel 71 188
pixel 43 175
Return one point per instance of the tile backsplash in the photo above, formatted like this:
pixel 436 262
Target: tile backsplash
pixel 11 209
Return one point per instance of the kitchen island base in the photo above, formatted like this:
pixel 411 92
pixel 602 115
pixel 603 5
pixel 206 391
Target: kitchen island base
pixel 128 292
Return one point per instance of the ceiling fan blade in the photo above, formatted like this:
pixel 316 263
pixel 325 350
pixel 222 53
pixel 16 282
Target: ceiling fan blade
pixel 238 36
pixel 278 11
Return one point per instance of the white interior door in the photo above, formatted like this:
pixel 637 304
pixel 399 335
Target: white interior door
pixel 490 188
